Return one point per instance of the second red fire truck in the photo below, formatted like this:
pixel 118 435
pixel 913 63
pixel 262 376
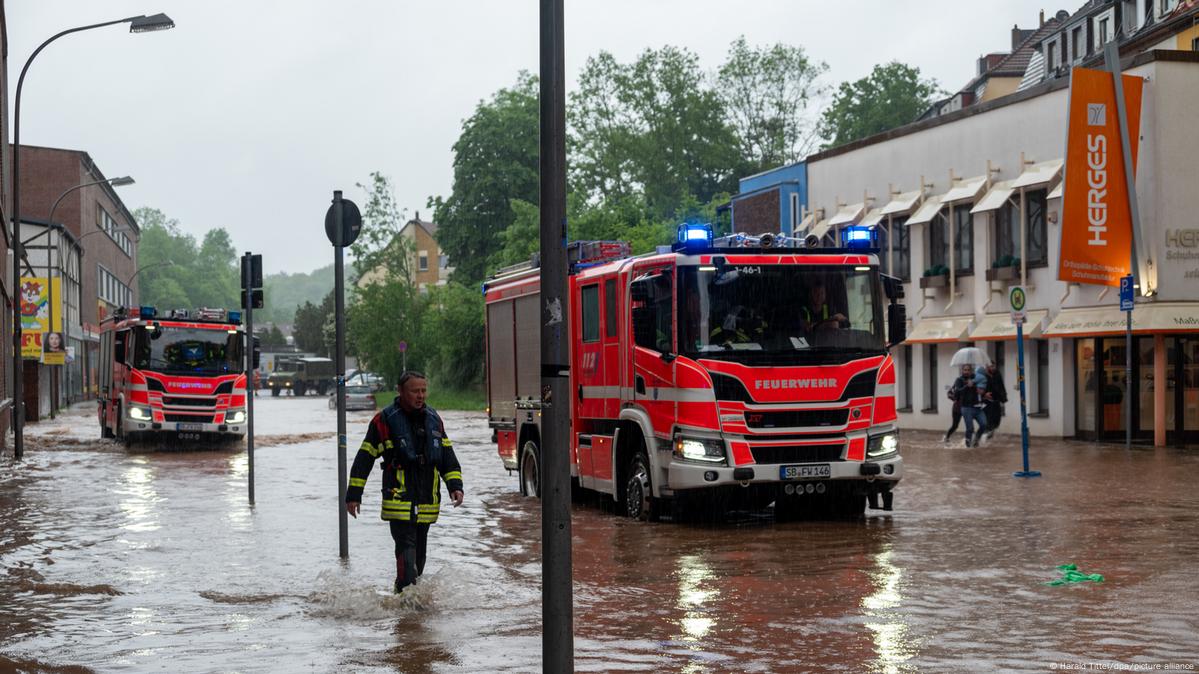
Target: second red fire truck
pixel 720 373
pixel 180 376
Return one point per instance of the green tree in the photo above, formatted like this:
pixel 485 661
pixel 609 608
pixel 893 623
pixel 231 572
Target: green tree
pixel 272 336
pixel 309 324
pixel 770 94
pixel 892 95
pixel 285 292
pixel 455 310
pixel 179 274
pixel 495 161
pixel 383 314
pixel 651 128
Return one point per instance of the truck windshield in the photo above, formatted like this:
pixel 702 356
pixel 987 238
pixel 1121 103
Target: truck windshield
pixel 779 313
pixel 187 350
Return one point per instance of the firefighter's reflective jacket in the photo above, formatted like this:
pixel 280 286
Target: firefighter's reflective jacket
pixel 415 461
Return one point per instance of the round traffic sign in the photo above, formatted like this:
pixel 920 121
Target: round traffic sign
pixel 402 346
pixel 1017 298
pixel 351 223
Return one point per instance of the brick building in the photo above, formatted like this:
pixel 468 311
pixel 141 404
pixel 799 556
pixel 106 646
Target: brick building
pixel 97 224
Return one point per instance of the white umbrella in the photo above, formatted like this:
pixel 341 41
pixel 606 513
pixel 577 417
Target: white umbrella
pixel 970 355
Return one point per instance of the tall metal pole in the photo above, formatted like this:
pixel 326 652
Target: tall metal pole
pixel 557 613
pixel 1023 401
pixel 247 275
pixel 18 389
pixel 343 521
pixel 1112 60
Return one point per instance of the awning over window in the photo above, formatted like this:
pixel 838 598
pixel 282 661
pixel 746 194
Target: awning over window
pixel 807 222
pixel 820 229
pixel 967 189
pixel 1000 326
pixel 848 215
pixel 943 329
pixel 926 212
pixel 872 218
pixel 902 204
pixel 995 198
pixel 1056 193
pixel 1109 320
pixel 1039 175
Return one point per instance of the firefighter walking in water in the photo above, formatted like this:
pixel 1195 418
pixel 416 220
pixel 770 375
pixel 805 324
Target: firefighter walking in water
pixel 409 437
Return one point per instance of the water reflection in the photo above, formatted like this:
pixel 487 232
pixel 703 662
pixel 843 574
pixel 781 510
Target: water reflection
pixel 696 588
pixel 141 501
pixel 890 632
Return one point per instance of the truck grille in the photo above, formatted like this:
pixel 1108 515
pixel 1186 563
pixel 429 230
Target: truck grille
pixel 797 453
pixel 796 419
pixel 188 402
pixel 189 418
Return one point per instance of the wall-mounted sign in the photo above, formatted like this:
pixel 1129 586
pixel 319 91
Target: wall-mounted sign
pixel 1096 218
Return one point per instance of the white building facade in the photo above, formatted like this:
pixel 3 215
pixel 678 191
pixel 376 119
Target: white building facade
pixel 969 204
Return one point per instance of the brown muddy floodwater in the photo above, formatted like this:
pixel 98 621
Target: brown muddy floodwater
pixel 117 560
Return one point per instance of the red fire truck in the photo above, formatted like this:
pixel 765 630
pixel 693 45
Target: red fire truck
pixel 176 376
pixel 713 374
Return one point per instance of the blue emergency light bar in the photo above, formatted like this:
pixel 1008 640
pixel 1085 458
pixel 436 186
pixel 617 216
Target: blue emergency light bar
pixel 857 237
pixel 147 312
pixel 235 317
pixel 694 235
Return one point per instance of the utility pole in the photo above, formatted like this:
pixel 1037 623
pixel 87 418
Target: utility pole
pixel 557 610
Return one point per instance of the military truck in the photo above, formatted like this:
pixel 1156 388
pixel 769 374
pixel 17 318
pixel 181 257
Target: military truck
pixel 301 375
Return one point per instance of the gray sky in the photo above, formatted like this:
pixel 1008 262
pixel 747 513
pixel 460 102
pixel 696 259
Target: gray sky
pixel 248 114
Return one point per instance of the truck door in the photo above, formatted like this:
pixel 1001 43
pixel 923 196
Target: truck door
pixel 654 353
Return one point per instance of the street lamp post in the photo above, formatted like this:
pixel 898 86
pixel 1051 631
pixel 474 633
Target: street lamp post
pixel 115 182
pixel 137 24
pixel 164 263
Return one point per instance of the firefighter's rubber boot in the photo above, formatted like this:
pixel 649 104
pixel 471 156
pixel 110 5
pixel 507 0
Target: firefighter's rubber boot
pixel 888 497
pixel 872 499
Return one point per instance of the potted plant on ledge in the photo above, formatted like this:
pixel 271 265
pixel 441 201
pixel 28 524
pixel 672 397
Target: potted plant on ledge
pixel 936 276
pixel 1006 268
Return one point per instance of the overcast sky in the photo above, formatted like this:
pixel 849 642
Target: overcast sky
pixel 248 114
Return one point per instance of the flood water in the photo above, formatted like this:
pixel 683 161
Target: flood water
pixel 131 560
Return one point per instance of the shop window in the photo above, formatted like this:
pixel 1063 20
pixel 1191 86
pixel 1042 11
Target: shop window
pixel 905 385
pixel 930 378
pixel 1041 379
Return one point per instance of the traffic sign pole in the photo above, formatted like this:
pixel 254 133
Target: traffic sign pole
pixel 1017 298
pixel 1127 303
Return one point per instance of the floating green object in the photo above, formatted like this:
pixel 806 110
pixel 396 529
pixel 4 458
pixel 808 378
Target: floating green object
pixel 1071 574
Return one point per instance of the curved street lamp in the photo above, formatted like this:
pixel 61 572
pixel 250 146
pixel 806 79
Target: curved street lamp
pixel 137 24
pixel 115 182
pixel 164 263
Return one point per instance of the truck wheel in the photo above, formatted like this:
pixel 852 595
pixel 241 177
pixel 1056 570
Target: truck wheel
pixel 120 432
pixel 639 494
pixel 322 388
pixel 300 389
pixel 274 391
pixel 105 431
pixel 530 470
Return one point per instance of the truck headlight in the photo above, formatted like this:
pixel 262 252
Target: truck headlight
pixel 699 449
pixel 882 445
pixel 139 413
pixel 237 417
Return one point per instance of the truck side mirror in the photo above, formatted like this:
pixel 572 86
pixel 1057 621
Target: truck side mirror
pixel 897 319
pixel 892 287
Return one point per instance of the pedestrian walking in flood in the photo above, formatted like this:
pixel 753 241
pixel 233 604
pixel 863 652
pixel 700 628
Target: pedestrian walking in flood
pixel 996 398
pixel 957 415
pixel 408 438
pixel 970 390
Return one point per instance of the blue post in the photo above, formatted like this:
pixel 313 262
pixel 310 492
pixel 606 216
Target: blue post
pixel 1023 404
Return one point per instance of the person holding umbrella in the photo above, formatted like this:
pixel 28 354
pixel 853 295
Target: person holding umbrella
pixel 969 391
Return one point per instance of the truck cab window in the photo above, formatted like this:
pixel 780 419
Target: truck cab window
pixel 653 315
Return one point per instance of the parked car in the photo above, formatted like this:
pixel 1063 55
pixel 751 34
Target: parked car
pixel 358 397
pixel 370 379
